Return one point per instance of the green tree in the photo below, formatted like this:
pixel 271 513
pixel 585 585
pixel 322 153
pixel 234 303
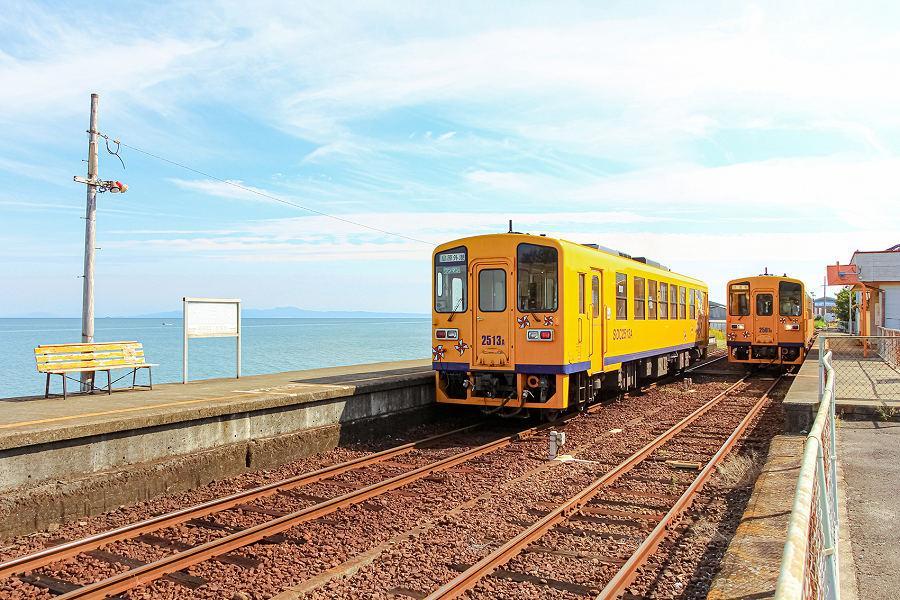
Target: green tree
pixel 842 305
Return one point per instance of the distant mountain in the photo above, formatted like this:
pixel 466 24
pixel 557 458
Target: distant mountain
pixel 292 312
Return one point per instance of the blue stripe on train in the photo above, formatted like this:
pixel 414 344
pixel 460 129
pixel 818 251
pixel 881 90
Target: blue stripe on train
pixel 611 360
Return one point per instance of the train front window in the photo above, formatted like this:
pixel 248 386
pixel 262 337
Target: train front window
pixel 764 305
pixel 790 299
pixel 538 268
pixel 739 299
pixel 450 291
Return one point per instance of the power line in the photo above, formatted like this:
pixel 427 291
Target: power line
pixel 270 196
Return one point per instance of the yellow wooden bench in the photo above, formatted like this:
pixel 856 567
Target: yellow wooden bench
pixel 63 359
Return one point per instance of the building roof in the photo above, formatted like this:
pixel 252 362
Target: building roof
pixel 842 274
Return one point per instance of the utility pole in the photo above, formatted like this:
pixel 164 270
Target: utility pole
pixel 90 241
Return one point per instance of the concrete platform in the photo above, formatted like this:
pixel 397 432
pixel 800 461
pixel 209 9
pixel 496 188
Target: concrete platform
pixel 870 457
pixel 751 563
pixel 60 459
pixel 802 400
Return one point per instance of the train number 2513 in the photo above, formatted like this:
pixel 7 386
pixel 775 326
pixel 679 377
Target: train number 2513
pixel 492 340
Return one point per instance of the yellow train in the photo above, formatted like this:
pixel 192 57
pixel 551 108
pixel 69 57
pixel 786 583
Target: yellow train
pixel 532 322
pixel 770 320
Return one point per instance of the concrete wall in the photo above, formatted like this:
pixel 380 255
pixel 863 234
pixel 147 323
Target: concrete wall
pixel 54 481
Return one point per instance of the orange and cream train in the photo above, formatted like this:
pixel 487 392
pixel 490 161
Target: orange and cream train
pixel 769 321
pixel 526 322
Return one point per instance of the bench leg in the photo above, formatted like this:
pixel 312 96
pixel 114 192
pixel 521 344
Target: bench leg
pixel 47 388
pixel 150 375
pixel 133 378
pixel 108 383
pixel 64 387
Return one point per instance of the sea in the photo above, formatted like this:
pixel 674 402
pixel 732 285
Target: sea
pixel 267 346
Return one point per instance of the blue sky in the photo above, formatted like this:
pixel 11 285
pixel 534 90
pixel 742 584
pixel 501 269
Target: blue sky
pixel 719 138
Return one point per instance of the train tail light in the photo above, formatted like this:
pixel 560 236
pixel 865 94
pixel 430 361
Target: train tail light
pixel 792 327
pixel 539 335
pixel 737 325
pixel 446 334
pixel 440 334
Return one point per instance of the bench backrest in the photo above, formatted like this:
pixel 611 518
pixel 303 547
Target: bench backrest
pixel 105 355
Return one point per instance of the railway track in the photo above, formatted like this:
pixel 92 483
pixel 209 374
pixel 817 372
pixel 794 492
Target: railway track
pixel 141 574
pixel 173 566
pixel 593 502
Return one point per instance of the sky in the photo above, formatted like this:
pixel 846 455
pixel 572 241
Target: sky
pixel 719 138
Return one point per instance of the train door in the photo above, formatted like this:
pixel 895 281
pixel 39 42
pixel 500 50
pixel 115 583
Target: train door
pixel 597 319
pixel 583 347
pixel 493 314
pixel 764 316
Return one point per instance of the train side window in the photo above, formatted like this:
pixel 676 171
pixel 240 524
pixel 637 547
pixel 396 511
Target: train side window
pixel 739 299
pixel 640 298
pixel 595 296
pixel 693 304
pixel 581 309
pixel 764 305
pixel 492 290
pixel 682 302
pixel 663 300
pixel 651 299
pixel 790 299
pixel 621 296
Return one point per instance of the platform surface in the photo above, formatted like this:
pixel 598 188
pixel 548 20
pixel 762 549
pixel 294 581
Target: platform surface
pixel 869 452
pixel 751 564
pixel 33 420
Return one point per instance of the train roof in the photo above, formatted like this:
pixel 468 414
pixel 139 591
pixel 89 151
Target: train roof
pixel 569 245
pixel 767 277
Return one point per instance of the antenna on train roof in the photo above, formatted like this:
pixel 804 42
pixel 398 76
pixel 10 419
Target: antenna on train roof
pixel 510 226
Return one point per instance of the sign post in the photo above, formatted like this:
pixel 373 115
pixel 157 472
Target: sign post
pixel 211 317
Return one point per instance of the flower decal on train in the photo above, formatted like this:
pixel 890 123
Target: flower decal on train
pixel 731 335
pixel 523 322
pixel 746 334
pixel 437 353
pixel 548 321
pixel 461 347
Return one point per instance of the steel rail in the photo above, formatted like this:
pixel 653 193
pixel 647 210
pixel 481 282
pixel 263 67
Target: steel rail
pixel 69 549
pixel 627 572
pixel 470 577
pixel 149 572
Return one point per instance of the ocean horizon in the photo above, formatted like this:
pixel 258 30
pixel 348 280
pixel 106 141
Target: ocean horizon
pixel 269 345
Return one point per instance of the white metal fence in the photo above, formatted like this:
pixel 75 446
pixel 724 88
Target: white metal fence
pixel 809 565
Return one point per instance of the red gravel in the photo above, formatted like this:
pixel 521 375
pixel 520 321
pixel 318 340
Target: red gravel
pixel 431 529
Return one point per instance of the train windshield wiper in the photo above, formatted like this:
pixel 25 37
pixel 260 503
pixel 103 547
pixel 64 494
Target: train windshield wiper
pixel 453 312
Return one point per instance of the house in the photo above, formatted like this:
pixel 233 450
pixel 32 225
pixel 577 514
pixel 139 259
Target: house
pixel 824 307
pixel 874 281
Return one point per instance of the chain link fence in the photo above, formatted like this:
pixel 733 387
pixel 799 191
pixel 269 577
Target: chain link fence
pixel 867 367
pixel 809 565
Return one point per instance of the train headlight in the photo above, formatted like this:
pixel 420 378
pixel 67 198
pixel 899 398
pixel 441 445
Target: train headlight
pixel 792 327
pixel 737 325
pixel 446 334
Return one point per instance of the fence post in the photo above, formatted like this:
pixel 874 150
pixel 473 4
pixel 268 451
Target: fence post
pixel 821 365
